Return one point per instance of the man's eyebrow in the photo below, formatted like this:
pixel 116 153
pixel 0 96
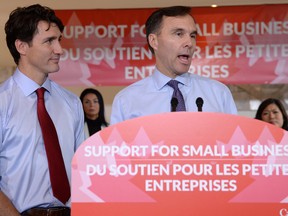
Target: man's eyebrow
pixel 177 29
pixel 182 29
pixel 194 32
pixel 54 37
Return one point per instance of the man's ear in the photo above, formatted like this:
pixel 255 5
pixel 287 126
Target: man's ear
pixel 153 41
pixel 21 46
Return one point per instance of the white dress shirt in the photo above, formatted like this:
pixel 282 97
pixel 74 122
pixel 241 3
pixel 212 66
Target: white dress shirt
pixel 24 175
pixel 152 95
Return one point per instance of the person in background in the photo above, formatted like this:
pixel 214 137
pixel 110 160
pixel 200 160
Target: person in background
pixel 272 111
pixel 171 36
pixel 94 111
pixel 33 36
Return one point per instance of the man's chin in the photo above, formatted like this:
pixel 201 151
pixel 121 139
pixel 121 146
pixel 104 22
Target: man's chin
pixel 55 69
pixel 183 70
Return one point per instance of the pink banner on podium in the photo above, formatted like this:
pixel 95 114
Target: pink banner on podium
pixel 182 164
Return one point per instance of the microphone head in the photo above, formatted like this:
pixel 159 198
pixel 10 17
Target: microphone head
pixel 199 102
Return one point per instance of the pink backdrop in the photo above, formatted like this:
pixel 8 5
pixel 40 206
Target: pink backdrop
pixel 237 44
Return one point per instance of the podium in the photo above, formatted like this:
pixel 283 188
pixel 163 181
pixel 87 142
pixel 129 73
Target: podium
pixel 182 164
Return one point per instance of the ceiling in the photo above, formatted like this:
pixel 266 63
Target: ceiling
pixel 89 4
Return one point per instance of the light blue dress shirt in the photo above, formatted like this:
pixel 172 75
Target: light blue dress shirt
pixel 152 95
pixel 24 175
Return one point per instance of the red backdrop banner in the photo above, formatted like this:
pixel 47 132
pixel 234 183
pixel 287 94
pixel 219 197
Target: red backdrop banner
pixel 235 45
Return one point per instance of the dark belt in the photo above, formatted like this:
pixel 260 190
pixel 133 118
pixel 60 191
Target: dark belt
pixel 53 211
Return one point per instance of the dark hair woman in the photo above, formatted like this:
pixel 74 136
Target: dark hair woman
pixel 272 111
pixel 94 111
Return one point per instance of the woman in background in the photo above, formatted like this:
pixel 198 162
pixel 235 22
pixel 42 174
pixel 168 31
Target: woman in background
pixel 272 111
pixel 93 106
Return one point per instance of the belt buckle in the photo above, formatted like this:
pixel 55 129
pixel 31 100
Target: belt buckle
pixel 49 212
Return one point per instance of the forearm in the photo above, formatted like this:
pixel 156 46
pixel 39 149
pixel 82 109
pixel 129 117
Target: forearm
pixel 6 207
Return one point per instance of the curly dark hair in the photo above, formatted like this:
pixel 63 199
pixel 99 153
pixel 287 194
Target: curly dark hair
pixel 22 24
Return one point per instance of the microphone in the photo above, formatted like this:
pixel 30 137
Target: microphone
pixel 174 103
pixel 199 103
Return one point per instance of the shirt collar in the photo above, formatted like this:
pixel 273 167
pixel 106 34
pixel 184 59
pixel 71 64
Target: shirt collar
pixel 27 85
pixel 161 80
